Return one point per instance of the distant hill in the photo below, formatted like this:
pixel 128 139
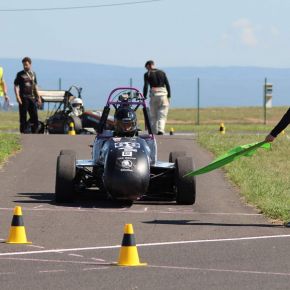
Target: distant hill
pixel 220 86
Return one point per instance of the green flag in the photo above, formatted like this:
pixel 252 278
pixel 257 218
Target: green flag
pixel 233 154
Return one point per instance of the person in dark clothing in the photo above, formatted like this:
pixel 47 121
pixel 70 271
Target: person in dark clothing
pixel 159 96
pixel 25 87
pixel 283 123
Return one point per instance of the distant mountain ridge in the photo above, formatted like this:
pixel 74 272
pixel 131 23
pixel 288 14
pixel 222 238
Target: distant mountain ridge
pixel 219 86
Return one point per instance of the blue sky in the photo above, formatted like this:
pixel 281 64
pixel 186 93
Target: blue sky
pixel 172 32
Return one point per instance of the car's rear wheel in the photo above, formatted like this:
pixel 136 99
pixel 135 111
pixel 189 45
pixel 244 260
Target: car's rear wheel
pixel 173 155
pixel 65 177
pixel 185 186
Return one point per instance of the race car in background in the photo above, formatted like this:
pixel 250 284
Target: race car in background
pixel 68 107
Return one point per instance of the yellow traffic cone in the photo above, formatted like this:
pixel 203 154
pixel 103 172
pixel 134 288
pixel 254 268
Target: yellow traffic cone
pixel 171 131
pixel 129 254
pixel 71 130
pixel 222 128
pixel 17 233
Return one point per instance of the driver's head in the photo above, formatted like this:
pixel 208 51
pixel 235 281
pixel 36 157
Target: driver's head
pixel 125 122
pixel 77 106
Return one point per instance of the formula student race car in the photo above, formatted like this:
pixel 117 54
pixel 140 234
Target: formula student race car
pixel 124 162
pixel 69 107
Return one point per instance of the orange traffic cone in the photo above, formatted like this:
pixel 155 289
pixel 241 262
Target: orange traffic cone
pixel 17 233
pixel 129 254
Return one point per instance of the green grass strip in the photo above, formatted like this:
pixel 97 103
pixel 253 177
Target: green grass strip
pixel 9 144
pixel 264 179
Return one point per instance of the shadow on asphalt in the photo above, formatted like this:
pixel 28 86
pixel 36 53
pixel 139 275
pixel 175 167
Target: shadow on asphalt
pixel 198 223
pixel 88 199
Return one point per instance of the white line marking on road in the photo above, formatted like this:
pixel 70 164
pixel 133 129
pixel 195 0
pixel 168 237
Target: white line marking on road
pixel 51 271
pixel 34 246
pixel 146 208
pixel 99 260
pixel 7 273
pixel 220 270
pixel 146 245
pixel 52 261
pixel 91 269
pixel 38 206
pixel 76 255
pixel 139 211
pixel 60 250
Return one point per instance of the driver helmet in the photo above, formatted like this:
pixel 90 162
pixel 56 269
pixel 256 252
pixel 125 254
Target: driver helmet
pixel 77 106
pixel 125 122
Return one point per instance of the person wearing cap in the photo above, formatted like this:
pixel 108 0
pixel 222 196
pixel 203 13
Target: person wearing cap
pixel 26 91
pixel 3 89
pixel 159 96
pixel 283 123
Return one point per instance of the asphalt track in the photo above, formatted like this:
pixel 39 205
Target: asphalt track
pixel 219 243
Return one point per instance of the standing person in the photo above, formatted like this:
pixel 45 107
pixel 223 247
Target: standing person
pixel 25 87
pixel 3 89
pixel 283 123
pixel 159 96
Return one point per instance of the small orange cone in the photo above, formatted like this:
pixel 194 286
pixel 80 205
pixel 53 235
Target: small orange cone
pixel 17 234
pixel 129 254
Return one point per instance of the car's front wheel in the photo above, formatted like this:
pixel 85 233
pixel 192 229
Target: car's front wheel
pixel 185 186
pixel 65 177
pixel 173 155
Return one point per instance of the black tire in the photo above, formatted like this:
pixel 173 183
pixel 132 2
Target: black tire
pixel 65 176
pixel 185 186
pixel 41 128
pixel 67 152
pixel 173 155
pixel 78 126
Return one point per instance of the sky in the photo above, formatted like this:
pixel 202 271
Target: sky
pixel 172 32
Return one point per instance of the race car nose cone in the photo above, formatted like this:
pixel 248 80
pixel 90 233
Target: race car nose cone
pixel 126 173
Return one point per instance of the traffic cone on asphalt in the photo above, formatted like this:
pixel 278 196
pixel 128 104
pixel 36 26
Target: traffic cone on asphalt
pixel 222 128
pixel 129 254
pixel 17 234
pixel 71 130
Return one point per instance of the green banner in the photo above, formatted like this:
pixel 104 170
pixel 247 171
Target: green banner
pixel 235 153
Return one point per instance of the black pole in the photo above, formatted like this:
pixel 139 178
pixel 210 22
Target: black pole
pixel 59 83
pixel 265 108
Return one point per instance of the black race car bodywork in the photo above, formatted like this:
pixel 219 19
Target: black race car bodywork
pixel 125 168
pixel 62 115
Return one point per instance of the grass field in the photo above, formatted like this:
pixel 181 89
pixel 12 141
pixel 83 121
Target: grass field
pixel 248 119
pixel 9 144
pixel 240 118
pixel 264 179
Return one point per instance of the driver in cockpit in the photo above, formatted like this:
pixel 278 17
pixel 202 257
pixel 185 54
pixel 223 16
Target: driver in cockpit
pixel 125 122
